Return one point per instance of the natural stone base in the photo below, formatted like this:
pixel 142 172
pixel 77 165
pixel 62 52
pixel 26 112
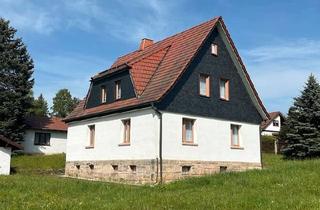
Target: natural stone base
pixel 147 171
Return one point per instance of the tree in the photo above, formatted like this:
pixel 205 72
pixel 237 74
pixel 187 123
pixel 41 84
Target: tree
pixel 39 107
pixel 301 131
pixel 63 103
pixel 16 68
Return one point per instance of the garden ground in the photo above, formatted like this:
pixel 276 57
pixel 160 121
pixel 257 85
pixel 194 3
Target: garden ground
pixel 281 185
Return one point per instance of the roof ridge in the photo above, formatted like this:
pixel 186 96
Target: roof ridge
pixel 169 37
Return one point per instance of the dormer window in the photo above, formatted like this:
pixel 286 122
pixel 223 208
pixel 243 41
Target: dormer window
pixel 214 49
pixel 118 89
pixel 103 94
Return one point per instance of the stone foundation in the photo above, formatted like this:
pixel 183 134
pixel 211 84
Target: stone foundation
pixel 147 171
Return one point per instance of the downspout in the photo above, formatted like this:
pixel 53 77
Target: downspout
pixel 160 140
pixel 260 139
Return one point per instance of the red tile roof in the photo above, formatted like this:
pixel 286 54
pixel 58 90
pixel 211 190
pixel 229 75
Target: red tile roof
pixel 46 123
pixel 157 68
pixel 273 115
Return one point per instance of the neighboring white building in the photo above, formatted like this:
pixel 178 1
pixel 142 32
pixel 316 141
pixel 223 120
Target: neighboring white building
pixel 272 126
pixel 183 106
pixel 6 146
pixel 44 135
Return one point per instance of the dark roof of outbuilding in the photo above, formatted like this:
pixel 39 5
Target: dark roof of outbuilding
pixel 46 123
pixel 8 143
pixel 156 69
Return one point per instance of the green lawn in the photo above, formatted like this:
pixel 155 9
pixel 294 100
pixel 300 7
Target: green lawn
pixel 282 185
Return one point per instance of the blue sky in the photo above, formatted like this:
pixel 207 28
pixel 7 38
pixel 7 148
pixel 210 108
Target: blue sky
pixel 70 41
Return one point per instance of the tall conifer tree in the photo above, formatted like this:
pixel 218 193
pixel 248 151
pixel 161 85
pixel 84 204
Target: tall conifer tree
pixel 301 132
pixel 16 68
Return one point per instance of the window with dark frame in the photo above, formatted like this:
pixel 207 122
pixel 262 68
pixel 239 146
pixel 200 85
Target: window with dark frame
pixel 103 94
pixel 224 89
pixel 235 139
pixel 204 85
pixel 42 139
pixel 188 130
pixel 126 131
pixel 118 90
pixel 276 123
pixel 91 135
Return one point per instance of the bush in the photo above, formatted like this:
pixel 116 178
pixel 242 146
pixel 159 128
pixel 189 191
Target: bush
pixel 268 143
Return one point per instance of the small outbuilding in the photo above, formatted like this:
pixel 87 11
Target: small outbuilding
pixel 6 147
pixel 45 135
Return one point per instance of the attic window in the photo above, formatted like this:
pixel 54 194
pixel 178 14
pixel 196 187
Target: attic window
pixel 276 123
pixel 118 89
pixel 224 89
pixel 103 94
pixel 204 85
pixel 214 49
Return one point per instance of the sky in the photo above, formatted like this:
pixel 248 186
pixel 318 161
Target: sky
pixel 70 41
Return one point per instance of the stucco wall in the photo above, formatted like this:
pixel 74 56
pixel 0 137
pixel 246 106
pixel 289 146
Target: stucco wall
pixel 5 159
pixel 108 136
pixel 58 142
pixel 213 139
pixel 272 129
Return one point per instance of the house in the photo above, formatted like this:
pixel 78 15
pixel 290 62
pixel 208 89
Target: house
pixel 183 106
pixel 272 126
pixel 6 147
pixel 44 135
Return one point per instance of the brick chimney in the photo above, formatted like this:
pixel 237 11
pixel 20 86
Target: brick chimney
pixel 145 42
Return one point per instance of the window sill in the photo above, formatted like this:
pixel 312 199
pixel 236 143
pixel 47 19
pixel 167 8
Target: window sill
pixel 223 99
pixel 236 147
pixel 204 96
pixel 89 147
pixel 124 144
pixel 189 144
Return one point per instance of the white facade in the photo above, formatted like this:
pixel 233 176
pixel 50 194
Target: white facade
pixel 58 142
pixel 271 129
pixel 212 139
pixel 5 159
pixel 144 136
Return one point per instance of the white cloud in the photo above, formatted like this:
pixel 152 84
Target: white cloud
pixel 279 71
pixel 125 20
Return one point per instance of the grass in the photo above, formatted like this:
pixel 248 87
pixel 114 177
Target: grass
pixel 282 185
pixel 38 164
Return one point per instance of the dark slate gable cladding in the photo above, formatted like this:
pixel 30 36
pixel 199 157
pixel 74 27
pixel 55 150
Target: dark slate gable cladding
pixel 127 90
pixel 184 97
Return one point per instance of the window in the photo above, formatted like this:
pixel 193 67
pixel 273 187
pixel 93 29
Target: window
pixel 187 131
pixel 235 139
pixel 115 167
pixel 133 168
pixel 224 89
pixel 126 131
pixel 204 85
pixel 118 89
pixel 214 49
pixel 91 135
pixel 91 166
pixel 185 169
pixel 223 169
pixel 42 139
pixel 103 94
pixel 276 123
